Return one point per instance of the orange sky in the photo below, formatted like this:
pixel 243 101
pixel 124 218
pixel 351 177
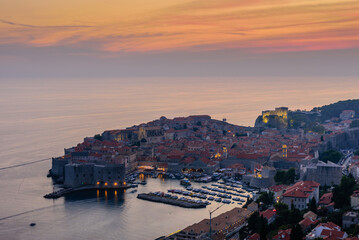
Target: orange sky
pixel 173 25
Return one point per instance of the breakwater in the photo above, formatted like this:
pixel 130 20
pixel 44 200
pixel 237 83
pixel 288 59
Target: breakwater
pixel 65 191
pixel 167 200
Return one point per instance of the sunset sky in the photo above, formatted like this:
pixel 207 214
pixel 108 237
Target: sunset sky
pixel 178 37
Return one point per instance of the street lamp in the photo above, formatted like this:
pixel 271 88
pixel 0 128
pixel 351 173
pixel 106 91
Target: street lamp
pixel 210 220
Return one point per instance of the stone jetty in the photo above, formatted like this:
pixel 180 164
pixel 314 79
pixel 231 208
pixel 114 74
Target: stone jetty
pixel 171 201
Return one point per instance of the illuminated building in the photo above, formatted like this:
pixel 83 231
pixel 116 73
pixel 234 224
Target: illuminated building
pixel 285 151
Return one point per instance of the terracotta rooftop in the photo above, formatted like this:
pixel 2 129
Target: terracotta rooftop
pixel 301 189
pixel 326 198
pixel 268 214
pixel 283 234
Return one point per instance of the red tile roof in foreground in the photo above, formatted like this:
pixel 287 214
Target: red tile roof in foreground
pixel 283 234
pixel 301 189
pixel 268 214
pixel 332 234
pixel 326 198
pixel 255 236
pixel 306 222
pixel 277 188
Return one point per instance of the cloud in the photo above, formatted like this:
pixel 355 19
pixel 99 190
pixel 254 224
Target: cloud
pixel 43 26
pixel 201 25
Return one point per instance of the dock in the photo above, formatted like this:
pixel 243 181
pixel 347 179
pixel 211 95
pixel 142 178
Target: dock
pixel 66 191
pixel 167 200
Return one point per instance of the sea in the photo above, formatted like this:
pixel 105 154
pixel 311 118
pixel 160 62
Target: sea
pixel 41 117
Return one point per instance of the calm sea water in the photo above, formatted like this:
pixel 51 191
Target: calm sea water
pixel 39 118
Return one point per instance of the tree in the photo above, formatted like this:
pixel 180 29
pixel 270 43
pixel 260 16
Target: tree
pixel 282 214
pixel 341 193
pixel 279 177
pixel 290 176
pixel 318 129
pixel 330 155
pixel 313 205
pixel 296 233
pixel 258 224
pixel 295 216
pixel 266 198
pixel 285 177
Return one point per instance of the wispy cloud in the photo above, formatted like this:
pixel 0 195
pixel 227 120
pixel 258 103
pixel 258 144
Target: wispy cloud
pixel 255 25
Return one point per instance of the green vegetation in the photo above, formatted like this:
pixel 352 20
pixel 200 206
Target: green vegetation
pixel 285 219
pixel 356 153
pixel 342 193
pixel 335 109
pixel 317 129
pixel 266 199
pixel 258 224
pixel 330 155
pixel 313 205
pixel 354 124
pixel 283 177
pixel 296 233
pixel 98 137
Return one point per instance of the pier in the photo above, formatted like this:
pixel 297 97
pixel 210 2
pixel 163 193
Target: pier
pixel 166 200
pixel 66 191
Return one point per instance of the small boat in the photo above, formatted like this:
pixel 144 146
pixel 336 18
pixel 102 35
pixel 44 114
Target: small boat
pixel 185 182
pixel 133 191
pixel 143 182
pixel 226 201
pixel 32 224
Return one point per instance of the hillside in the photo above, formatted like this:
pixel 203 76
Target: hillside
pixel 334 109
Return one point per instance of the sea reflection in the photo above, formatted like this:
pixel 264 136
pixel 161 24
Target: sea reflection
pixel 112 197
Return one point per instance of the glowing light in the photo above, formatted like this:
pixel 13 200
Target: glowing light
pixel 115 184
pixel 98 183
pixel 106 183
pixel 124 183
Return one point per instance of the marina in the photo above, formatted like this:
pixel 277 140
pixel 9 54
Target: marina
pixel 162 198
pixel 228 192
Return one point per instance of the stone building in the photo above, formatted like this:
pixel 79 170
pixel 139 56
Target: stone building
pixel 300 194
pixel 90 174
pixel 58 166
pixel 324 173
pixel 350 218
pixel 151 134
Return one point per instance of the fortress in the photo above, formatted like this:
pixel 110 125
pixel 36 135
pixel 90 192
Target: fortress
pixel 281 112
pixel 277 118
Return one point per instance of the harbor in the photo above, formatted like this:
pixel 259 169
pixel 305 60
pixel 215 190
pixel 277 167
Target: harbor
pixel 194 194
